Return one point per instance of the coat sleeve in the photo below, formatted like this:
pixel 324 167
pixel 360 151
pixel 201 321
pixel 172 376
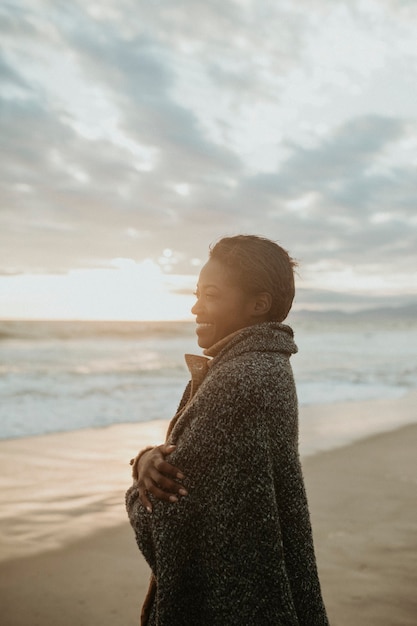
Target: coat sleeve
pixel 218 555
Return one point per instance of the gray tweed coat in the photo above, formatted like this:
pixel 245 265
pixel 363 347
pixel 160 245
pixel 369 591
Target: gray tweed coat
pixel 238 550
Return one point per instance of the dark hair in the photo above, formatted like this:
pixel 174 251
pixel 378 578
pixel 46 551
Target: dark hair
pixel 258 264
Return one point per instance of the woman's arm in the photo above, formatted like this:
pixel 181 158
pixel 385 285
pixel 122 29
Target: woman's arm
pixel 152 474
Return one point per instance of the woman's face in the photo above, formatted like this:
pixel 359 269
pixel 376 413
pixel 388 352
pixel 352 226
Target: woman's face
pixel 221 307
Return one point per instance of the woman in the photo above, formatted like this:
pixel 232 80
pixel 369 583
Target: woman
pixel 219 511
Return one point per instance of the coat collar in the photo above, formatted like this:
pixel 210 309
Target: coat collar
pixel 199 365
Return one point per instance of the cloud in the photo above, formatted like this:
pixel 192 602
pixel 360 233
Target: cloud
pixel 128 130
pixel 342 156
pixel 336 197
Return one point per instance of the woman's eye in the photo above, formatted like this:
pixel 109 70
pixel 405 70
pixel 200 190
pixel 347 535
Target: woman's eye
pixel 206 295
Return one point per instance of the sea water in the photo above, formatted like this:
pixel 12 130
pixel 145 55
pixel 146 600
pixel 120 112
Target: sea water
pixel 61 376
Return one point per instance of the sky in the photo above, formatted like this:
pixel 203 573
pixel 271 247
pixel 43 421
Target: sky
pixel 137 133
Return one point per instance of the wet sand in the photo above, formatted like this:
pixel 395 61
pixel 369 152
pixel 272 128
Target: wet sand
pixel 68 555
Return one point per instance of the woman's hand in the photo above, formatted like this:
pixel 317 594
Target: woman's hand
pixel 155 475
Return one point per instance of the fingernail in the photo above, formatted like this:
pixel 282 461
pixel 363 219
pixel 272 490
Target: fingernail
pixel 173 499
pixel 180 476
pixel 148 508
pixel 183 492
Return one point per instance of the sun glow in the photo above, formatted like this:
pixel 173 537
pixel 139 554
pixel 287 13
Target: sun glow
pixel 124 291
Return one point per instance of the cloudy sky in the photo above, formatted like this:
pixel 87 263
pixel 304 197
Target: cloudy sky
pixel 134 133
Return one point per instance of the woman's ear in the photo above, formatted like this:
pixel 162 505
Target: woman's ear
pixel 262 304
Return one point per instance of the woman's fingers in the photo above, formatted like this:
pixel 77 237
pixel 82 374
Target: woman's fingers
pixel 159 494
pixel 157 477
pixel 163 482
pixel 163 467
pixel 143 496
pixel 167 448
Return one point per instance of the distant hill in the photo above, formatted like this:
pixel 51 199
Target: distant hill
pixel 406 312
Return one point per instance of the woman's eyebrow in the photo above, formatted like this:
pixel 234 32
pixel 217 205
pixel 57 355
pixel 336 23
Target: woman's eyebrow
pixel 207 286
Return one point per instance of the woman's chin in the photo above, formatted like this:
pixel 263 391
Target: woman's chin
pixel 205 337
pixel 203 342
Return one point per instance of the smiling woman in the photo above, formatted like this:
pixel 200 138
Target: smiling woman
pixel 219 510
pixel 124 291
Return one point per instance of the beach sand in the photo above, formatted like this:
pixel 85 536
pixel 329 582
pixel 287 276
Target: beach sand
pixel 68 555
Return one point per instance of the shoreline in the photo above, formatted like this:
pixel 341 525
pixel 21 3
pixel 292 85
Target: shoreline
pixel 61 487
pixel 362 503
pixel 327 409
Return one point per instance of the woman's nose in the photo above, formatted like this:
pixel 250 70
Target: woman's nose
pixel 196 307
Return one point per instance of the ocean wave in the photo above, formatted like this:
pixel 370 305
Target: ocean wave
pixel 85 371
pixel 330 392
pixel 70 379
pixel 66 330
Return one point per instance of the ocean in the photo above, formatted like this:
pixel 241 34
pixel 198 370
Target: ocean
pixel 62 376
